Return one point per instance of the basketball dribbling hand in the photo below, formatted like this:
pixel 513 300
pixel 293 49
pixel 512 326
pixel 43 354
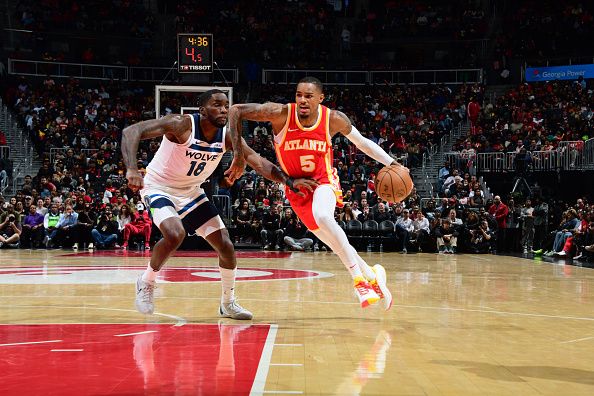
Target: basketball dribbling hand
pixel 306 184
pixel 236 169
pixel 398 164
pixel 135 181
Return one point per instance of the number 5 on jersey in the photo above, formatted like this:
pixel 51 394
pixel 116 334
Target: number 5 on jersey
pixel 198 169
pixel 307 163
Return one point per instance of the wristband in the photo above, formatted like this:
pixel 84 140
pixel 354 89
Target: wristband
pixel 290 182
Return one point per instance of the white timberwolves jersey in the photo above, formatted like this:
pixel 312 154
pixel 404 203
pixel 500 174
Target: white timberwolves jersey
pixel 189 164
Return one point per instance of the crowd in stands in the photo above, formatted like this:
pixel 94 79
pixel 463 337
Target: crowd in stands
pixel 539 30
pixel 129 17
pixel 316 34
pixel 319 33
pixel 405 120
pixel 76 130
pixel 387 19
pixel 250 30
pixel 531 225
pixel 83 189
pixel 532 117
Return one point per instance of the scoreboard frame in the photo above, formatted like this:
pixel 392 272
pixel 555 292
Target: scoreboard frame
pixel 194 53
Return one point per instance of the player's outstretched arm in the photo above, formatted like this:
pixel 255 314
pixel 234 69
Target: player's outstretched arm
pixel 272 112
pixel 339 122
pixel 175 126
pixel 272 172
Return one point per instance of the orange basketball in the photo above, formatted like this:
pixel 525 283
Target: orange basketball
pixel 393 183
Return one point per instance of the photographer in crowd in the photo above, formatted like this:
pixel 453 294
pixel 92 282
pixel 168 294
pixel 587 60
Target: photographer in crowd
pixel 481 238
pixel 10 230
pixel 105 232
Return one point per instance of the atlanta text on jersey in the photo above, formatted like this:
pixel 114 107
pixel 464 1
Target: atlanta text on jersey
pixel 307 144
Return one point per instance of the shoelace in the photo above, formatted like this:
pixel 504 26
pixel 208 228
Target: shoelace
pixel 376 288
pixel 235 307
pixel 147 292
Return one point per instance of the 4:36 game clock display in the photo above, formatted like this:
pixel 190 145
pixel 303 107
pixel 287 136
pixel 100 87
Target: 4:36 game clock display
pixel 194 53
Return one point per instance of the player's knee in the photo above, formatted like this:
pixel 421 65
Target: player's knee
pixel 226 248
pixel 323 219
pixel 174 235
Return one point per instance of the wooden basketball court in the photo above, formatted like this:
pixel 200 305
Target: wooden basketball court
pixel 460 324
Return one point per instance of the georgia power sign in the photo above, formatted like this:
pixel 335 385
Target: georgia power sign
pixel 85 275
pixel 550 73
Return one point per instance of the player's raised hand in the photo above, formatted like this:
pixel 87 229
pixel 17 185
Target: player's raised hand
pixel 135 181
pixel 305 184
pixel 236 169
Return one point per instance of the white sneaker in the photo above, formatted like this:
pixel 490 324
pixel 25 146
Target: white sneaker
pixel 380 286
pixel 234 311
pixel 145 292
pixel 75 246
pixel 364 292
pixel 91 246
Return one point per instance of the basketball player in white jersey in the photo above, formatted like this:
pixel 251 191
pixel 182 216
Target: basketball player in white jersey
pixel 190 151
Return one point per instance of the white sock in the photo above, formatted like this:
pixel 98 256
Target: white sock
pixel 150 275
pixel 346 256
pixel 228 284
pixel 354 270
pixel 366 269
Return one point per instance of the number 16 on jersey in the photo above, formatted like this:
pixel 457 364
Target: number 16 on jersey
pixel 196 170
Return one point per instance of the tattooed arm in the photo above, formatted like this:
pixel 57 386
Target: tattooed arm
pixel 275 113
pixel 272 172
pixel 175 127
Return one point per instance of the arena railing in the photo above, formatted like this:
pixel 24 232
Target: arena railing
pixel 3 185
pixel 544 160
pixel 223 204
pixel 67 69
pixel 164 74
pixel 329 77
pixel 422 77
pixel 105 72
pixel 495 162
pixel 539 161
pixel 589 154
pixel 362 77
pixel 4 151
pixel 571 154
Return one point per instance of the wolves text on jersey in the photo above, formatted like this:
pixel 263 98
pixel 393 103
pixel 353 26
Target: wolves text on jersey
pixel 202 156
pixel 306 144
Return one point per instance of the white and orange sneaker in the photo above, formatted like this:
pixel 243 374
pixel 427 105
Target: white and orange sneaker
pixel 367 296
pixel 379 285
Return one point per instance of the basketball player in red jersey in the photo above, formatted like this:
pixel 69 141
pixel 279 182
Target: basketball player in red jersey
pixel 303 134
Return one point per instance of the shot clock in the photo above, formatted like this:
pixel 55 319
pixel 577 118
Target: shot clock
pixel 194 53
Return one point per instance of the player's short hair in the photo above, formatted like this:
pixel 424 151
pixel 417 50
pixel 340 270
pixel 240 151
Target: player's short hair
pixel 205 96
pixel 314 81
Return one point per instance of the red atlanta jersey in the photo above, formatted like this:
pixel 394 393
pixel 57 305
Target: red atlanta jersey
pixel 307 151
